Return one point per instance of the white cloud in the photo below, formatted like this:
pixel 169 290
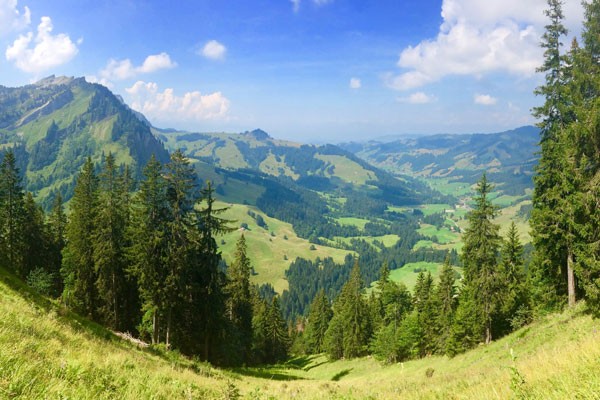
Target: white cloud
pixel 166 106
pixel 479 37
pixel 485 99
pixel 418 98
pixel 48 50
pixel 214 50
pixel 101 81
pixel 355 83
pixel 11 19
pixel 295 5
pixel 124 69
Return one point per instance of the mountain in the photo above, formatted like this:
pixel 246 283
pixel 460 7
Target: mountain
pixel 325 168
pixel 56 123
pixel 508 157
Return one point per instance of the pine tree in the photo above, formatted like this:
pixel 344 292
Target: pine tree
pixel 11 214
pixel 239 304
pixel 278 340
pixel 78 257
pixel 56 230
pixel 181 196
pixel 480 259
pixel 446 299
pixel 319 315
pixel 349 329
pixel 34 241
pixel 515 304
pixel 207 277
pixel 147 253
pixel 553 214
pixel 109 246
pixel 585 130
pixel 426 311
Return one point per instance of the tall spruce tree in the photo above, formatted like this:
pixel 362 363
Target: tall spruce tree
pixel 181 195
pixel 349 330
pixel 480 260
pixel 239 303
pixel 515 308
pixel 585 91
pixel 147 251
pixel 109 246
pixel 319 315
pixel 207 277
pixel 446 299
pixel 11 214
pixel 56 228
pixel 552 216
pixel 34 240
pixel 78 256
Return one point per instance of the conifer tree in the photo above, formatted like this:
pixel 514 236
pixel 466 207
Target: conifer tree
pixel 553 214
pixel 78 256
pixel 147 253
pixel 349 330
pixel 446 299
pixel 109 246
pixel 480 260
pixel 34 241
pixel 426 311
pixel 515 304
pixel 585 90
pixel 239 303
pixel 55 231
pixel 181 196
pixel 319 315
pixel 208 279
pixel 11 214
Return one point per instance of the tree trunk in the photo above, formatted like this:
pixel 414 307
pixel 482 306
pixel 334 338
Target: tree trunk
pixel 154 328
pixel 168 343
pixel 570 279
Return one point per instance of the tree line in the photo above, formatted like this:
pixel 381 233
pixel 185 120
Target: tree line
pixel 145 262
pixel 444 317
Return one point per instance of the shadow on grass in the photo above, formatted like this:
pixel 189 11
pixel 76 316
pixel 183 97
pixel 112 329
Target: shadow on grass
pixel 267 373
pixel 341 374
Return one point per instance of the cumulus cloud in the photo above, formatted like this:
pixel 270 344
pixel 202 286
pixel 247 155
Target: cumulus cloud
pixel 42 51
pixel 167 106
pixel 355 83
pixel 478 37
pixel 11 19
pixel 213 50
pixel 124 69
pixel 484 99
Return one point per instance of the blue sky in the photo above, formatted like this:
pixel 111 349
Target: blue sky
pixel 305 70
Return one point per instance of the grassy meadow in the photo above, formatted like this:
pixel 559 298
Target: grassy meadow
pixel 47 352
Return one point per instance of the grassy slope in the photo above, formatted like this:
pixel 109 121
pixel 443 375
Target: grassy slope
pixel 267 251
pixel 48 353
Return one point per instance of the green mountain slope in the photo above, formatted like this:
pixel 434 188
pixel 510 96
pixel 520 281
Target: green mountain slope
pixel 46 352
pixel 56 123
pixel 508 157
pixel 318 168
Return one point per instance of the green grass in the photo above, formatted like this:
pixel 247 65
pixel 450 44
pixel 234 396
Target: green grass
pixel 268 248
pixel 409 272
pixel 352 221
pixel 346 169
pixel 48 352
